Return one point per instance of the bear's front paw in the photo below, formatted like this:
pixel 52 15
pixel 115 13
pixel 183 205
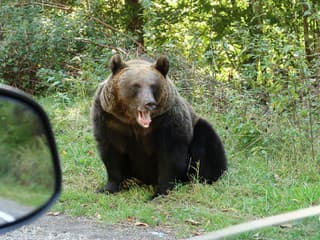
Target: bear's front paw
pixel 161 190
pixel 110 187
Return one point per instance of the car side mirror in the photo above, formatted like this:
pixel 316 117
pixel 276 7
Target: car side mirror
pixel 30 174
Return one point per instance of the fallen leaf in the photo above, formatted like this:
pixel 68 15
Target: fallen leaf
pixel 53 214
pixel 130 219
pixel 286 225
pixel 197 233
pixel 277 177
pixel 192 222
pixel 228 210
pixel 141 224
pixel 90 152
pixel 256 236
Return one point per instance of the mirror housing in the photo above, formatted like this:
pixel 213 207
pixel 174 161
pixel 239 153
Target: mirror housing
pixel 12 98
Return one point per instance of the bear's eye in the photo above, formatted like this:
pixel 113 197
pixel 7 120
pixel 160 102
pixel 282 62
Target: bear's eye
pixel 133 90
pixel 136 86
pixel 155 90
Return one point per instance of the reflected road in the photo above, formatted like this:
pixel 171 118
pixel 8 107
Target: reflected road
pixel 11 210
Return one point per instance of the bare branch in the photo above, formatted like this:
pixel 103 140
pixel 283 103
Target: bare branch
pixel 85 40
pixel 116 30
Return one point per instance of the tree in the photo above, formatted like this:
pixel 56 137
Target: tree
pixel 135 21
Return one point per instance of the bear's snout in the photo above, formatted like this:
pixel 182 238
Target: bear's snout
pixel 147 100
pixel 150 106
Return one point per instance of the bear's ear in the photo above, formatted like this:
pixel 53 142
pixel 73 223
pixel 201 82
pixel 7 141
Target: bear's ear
pixel 116 64
pixel 162 65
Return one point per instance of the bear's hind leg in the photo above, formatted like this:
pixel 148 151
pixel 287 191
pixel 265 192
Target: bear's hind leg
pixel 207 148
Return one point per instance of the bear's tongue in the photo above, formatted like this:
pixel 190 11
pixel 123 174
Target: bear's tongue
pixel 144 118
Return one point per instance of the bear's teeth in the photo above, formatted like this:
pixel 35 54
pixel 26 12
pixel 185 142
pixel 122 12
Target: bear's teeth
pixel 144 119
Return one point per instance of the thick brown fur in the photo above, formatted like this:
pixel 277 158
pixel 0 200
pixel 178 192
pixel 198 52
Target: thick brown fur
pixel 144 129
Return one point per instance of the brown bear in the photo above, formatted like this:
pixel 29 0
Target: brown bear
pixel 145 130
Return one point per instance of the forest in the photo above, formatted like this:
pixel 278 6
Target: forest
pixel 251 67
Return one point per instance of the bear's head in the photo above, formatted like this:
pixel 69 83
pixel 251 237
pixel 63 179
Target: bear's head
pixel 137 90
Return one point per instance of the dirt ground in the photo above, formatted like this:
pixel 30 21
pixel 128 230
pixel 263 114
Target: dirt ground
pixel 63 227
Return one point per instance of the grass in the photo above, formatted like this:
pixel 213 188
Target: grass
pixel 18 193
pixel 270 172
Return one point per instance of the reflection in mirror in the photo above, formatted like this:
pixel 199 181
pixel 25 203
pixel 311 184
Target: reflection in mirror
pixel 27 178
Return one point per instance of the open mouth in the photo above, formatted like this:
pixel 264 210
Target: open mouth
pixel 144 118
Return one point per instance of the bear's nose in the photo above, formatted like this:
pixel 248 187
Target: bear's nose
pixel 150 106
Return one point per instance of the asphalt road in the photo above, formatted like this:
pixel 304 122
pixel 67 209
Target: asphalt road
pixel 11 210
pixel 63 227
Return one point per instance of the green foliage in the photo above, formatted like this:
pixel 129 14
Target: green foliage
pixel 18 123
pixel 32 42
pixel 31 166
pixel 26 159
pixel 253 45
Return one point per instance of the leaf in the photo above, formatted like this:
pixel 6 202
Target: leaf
pixel 256 236
pixel 53 214
pixel 130 219
pixel 141 224
pixel 228 210
pixel 286 225
pixel 197 233
pixel 277 178
pixel 192 222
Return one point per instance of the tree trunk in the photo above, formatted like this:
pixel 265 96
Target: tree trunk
pixel 306 34
pixel 136 23
pixel 256 13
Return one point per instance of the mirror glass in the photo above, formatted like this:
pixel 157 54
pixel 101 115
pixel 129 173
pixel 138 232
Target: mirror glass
pixel 27 178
